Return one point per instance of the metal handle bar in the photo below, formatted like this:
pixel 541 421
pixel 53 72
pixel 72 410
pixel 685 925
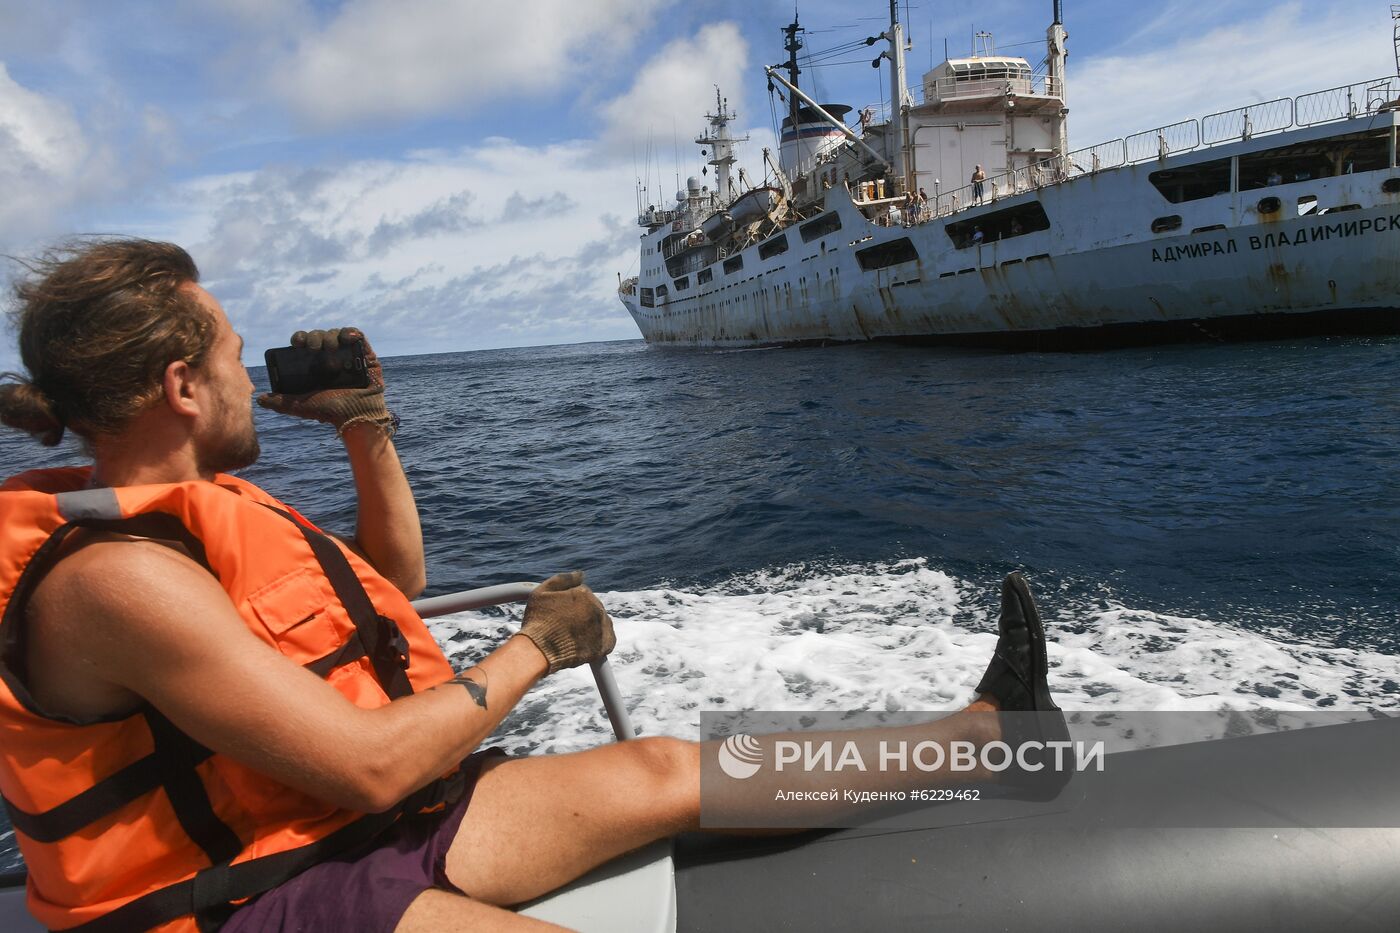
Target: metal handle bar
pixel 517 593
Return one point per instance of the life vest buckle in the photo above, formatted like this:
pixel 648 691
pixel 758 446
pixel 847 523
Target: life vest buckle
pixel 395 641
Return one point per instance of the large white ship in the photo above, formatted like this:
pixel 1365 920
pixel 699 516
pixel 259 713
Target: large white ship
pixel 1275 218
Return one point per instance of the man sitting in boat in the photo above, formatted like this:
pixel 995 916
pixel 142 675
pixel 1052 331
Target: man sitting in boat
pixel 216 715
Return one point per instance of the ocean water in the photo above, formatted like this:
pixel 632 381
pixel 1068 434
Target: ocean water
pixel 1205 526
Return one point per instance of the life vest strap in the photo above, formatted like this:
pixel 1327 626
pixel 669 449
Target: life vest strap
pixel 383 643
pixel 185 789
pixel 208 894
pixel 106 796
pixel 352 650
pixel 136 779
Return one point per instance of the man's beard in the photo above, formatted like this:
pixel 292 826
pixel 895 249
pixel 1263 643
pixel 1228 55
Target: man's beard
pixel 231 450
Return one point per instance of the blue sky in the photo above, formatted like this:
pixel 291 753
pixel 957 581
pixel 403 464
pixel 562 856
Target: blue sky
pixel 460 175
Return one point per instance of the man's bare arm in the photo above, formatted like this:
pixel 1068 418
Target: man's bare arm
pixel 387 531
pixel 139 617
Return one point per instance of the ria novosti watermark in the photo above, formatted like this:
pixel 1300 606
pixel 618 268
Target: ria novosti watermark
pixel 1218 768
pixel 742 756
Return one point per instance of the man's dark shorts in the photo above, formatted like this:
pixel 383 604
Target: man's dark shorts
pixel 369 887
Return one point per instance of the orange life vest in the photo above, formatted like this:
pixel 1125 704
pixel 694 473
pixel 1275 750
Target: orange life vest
pixel 126 822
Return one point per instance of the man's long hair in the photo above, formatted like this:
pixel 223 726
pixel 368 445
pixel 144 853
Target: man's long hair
pixel 98 323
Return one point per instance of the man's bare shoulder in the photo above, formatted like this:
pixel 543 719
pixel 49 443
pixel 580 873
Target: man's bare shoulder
pixel 114 573
pixel 105 612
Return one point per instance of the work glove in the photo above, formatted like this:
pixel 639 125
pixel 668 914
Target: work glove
pixel 567 623
pixel 337 407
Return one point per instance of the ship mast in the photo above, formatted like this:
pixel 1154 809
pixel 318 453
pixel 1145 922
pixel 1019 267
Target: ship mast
pixel 721 147
pixel 1395 17
pixel 793 45
pixel 1055 67
pixel 898 95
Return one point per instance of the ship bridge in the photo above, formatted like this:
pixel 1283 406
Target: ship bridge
pixel 985 110
pixel 971 84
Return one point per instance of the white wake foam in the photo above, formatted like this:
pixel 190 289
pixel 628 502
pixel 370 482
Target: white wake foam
pixel 903 636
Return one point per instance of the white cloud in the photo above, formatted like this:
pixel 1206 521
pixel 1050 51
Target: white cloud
pixel 1275 52
pixel 42 155
pixel 676 87
pixel 403 58
pixel 497 244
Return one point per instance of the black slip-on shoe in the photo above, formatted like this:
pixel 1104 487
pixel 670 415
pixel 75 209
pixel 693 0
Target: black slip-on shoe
pixel 1018 678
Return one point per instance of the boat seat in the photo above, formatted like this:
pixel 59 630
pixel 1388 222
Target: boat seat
pixel 632 894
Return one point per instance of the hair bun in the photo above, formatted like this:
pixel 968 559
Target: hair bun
pixel 24 406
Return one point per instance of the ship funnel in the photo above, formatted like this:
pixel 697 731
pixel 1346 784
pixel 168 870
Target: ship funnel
pixel 811 137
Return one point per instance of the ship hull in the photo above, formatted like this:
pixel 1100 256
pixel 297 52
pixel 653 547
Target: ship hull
pixel 1097 275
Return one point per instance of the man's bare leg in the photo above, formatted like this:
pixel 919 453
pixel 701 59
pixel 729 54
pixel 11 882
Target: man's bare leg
pixel 444 911
pixel 536 824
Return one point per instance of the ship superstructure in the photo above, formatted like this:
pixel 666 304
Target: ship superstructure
pixel 960 214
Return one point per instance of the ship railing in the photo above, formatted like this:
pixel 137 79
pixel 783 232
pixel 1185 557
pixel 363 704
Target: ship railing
pixel 1093 159
pixel 1247 122
pixel 651 218
pixel 1039 174
pixel 877 113
pixel 951 87
pixel 1340 103
pixel 1163 141
pixel 1347 101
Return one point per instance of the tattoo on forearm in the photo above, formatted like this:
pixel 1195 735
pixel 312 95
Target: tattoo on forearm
pixel 477 691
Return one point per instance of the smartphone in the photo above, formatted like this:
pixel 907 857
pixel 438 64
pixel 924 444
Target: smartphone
pixel 296 370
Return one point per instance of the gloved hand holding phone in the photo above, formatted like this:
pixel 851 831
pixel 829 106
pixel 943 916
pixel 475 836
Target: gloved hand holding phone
pixel 332 376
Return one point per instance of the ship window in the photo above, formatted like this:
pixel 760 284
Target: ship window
pixel 829 222
pixel 999 225
pixel 1391 185
pixel 733 264
pixel 661 292
pixel 887 254
pixel 1163 224
pixel 1207 229
pixel 1193 182
pixel 704 276
pixel 682 283
pixel 1307 204
pixel 1317 158
pixel 774 247
pixel 648 298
